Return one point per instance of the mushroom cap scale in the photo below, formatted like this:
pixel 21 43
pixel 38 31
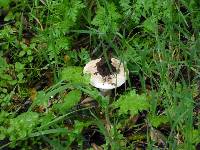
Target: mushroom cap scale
pixel 108 82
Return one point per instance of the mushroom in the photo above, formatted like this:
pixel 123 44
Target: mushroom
pixel 103 79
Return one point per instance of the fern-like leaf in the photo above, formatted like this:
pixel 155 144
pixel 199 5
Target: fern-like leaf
pixel 74 75
pixel 106 19
pixel 70 100
pixel 132 103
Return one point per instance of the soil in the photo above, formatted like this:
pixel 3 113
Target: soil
pixel 93 135
pixel 103 68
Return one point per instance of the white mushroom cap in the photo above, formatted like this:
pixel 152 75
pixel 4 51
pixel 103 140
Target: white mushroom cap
pixel 108 82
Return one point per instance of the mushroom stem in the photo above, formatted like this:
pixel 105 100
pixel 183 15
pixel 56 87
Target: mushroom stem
pixel 106 92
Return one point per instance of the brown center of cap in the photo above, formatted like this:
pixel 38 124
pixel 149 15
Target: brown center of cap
pixel 104 68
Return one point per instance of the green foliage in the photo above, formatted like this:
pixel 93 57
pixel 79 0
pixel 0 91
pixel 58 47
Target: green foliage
pixel 62 16
pixel 107 18
pixel 41 99
pixel 195 135
pixel 5 78
pixel 27 51
pixel 71 99
pixel 157 9
pixel 46 43
pixel 64 13
pixel 4 3
pixel 46 118
pixel 131 102
pixel 74 75
pixel 82 57
pixel 4 121
pixel 156 121
pixel 22 126
pixel 125 4
pixel 75 134
pixel 6 82
pixel 151 24
pixel 19 68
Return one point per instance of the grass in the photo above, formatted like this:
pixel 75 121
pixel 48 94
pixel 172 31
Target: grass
pixel 47 103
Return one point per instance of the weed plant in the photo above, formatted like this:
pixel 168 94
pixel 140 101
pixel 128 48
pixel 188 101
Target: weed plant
pixel 47 103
